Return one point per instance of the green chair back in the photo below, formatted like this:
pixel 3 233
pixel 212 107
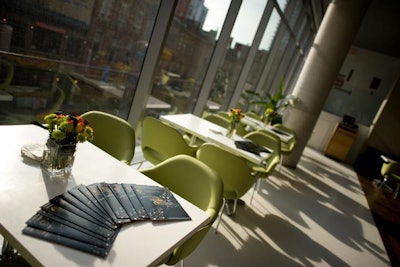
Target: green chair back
pixel 160 141
pixel 391 171
pixel 254 116
pixel 198 184
pixel 287 147
pixel 217 119
pixel 9 70
pixel 271 141
pixel 224 114
pixel 222 119
pixel 112 134
pixel 234 170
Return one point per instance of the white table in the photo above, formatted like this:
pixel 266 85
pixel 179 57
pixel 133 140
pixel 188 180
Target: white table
pixel 258 125
pixel 212 133
pixel 23 189
pixel 155 103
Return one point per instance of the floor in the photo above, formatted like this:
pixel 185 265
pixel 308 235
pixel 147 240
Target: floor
pixel 314 215
pixel 386 213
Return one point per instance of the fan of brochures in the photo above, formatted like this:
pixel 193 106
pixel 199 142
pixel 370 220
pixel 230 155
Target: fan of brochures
pixel 89 218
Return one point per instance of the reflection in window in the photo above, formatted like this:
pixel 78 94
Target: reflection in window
pixel 90 51
pixel 242 37
pixel 187 53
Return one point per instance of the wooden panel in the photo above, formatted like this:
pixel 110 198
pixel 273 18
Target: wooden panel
pixel 340 143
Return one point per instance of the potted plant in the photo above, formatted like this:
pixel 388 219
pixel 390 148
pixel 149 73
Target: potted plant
pixel 275 104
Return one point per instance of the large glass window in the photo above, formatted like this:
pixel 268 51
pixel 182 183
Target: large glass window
pixel 72 56
pixel 243 33
pixel 144 57
pixel 187 53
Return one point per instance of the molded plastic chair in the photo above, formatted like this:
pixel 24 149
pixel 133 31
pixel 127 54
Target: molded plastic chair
pixel 160 141
pixel 235 172
pixel 391 171
pixel 217 119
pixel 197 183
pixel 224 121
pixel 9 69
pixel 253 116
pixel 286 147
pixel 112 134
pixel 223 114
pixel 269 140
pixel 56 105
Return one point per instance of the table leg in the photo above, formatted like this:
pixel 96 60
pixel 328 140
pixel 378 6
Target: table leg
pixel 8 253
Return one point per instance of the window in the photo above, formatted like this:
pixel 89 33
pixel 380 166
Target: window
pixel 95 63
pixel 145 57
pixel 186 55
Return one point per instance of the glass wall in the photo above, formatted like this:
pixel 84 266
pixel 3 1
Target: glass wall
pixel 187 53
pixel 237 53
pixel 134 58
pixel 73 56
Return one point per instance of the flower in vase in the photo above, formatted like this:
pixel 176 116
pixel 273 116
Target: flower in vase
pixel 68 129
pixel 236 115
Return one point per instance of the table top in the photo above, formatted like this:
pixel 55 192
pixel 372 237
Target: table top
pixel 155 103
pixel 23 189
pixel 212 133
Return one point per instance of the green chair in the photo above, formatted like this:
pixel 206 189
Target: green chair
pixel 253 116
pixel 160 141
pixel 391 171
pixel 235 173
pixel 9 74
pixel 112 134
pixel 286 147
pixel 197 183
pixel 56 101
pixel 217 119
pixel 224 114
pixel 224 121
pixel 269 140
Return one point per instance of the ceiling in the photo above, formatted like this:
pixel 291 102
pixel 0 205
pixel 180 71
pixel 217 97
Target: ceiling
pixel 380 28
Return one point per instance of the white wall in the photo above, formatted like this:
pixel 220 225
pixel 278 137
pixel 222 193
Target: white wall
pixel 355 96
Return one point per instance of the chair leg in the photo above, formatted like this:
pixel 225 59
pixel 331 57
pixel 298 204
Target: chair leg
pixel 382 183
pixel 254 190
pixel 8 253
pixel 220 215
pixel 234 207
pixel 397 191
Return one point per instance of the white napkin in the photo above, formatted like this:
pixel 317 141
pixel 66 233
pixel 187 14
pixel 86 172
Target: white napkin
pixel 32 151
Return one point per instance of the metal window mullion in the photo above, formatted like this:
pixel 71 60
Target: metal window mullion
pixel 273 78
pixel 251 55
pixel 290 51
pixel 289 9
pixel 217 56
pixel 145 80
pixel 272 53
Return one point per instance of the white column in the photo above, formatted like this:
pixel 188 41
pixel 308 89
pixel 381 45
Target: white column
pixel 331 45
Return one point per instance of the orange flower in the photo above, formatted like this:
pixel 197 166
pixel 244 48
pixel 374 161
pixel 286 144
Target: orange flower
pixel 236 114
pixel 67 129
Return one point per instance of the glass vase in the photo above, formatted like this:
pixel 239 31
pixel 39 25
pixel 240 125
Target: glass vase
pixel 231 129
pixel 58 159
